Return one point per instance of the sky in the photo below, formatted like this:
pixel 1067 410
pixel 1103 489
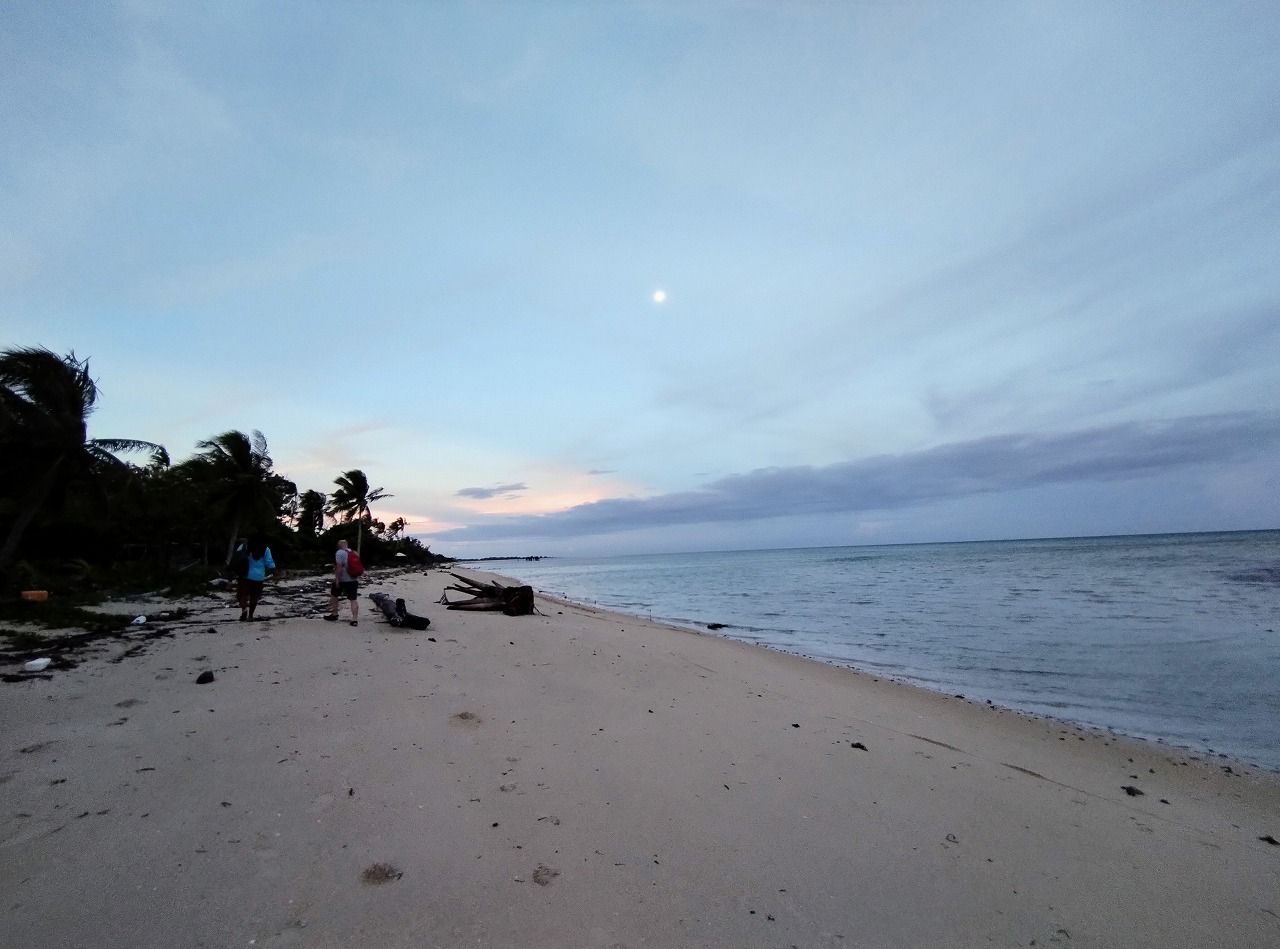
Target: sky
pixel 572 278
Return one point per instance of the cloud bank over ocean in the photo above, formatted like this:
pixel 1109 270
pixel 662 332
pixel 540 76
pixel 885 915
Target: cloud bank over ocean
pixel 1126 451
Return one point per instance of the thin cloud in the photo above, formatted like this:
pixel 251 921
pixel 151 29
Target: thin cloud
pixel 962 469
pixel 208 282
pixel 503 490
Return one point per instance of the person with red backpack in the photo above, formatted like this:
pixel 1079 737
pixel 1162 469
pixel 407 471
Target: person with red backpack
pixel 346 567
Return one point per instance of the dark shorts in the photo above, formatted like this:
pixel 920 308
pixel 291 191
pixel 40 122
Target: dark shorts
pixel 247 590
pixel 346 588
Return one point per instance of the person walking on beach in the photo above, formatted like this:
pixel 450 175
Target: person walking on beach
pixel 343 585
pixel 259 564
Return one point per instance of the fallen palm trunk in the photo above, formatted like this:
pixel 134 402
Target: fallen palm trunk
pixel 397 613
pixel 514 601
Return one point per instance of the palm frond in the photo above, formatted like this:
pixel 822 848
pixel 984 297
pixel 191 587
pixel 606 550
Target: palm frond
pixel 131 444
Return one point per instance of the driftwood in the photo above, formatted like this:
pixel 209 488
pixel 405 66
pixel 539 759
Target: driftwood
pixel 396 612
pixel 514 601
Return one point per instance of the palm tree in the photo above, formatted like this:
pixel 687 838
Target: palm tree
pixel 236 470
pixel 311 513
pixel 45 404
pixel 352 499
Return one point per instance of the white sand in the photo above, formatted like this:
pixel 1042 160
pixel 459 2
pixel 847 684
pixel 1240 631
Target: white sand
pixel 585 779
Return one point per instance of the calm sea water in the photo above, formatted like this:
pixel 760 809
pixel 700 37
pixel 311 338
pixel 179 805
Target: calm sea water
pixel 1172 637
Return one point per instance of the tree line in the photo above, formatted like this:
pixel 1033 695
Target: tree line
pixel 81 511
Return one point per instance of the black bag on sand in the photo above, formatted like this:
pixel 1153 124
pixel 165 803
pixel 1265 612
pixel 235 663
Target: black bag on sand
pixel 408 619
pixel 397 613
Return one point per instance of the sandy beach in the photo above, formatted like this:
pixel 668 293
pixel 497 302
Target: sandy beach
pixel 584 779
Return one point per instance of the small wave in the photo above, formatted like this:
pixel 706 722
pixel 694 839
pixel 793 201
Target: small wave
pixel 1030 672
pixel 1262 575
pixel 851 559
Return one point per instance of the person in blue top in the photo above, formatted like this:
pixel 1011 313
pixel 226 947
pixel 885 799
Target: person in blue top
pixel 260 566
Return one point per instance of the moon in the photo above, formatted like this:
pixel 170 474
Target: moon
pixel 659 296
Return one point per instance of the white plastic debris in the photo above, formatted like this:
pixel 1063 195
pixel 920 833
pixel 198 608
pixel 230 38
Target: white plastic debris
pixel 37 665
pixel 138 621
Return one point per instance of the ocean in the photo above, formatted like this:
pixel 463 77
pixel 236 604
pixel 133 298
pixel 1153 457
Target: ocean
pixel 1172 638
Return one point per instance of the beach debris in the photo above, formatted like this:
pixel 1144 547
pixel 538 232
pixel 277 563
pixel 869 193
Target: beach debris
pixel 514 601
pixel 204 678
pixel 859 745
pixel 379 873
pixel 397 613
pixel 1132 791
pixel 1268 839
pixel 544 874
pixel 715 626
pixel 37 665
pixel 138 621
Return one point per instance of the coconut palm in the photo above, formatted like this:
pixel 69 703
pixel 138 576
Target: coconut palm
pixel 311 513
pixel 45 404
pixel 235 469
pixel 352 499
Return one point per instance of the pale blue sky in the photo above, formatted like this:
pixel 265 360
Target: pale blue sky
pixel 933 271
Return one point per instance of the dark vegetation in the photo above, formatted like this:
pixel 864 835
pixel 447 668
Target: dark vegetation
pixel 81 521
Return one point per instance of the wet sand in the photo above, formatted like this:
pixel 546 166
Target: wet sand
pixel 580 778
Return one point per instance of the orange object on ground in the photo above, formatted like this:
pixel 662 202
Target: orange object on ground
pixel 35 596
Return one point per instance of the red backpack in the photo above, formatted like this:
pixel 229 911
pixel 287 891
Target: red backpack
pixel 354 565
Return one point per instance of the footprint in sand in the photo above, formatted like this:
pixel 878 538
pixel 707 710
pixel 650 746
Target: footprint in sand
pixel 379 873
pixel 465 718
pixel 545 874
